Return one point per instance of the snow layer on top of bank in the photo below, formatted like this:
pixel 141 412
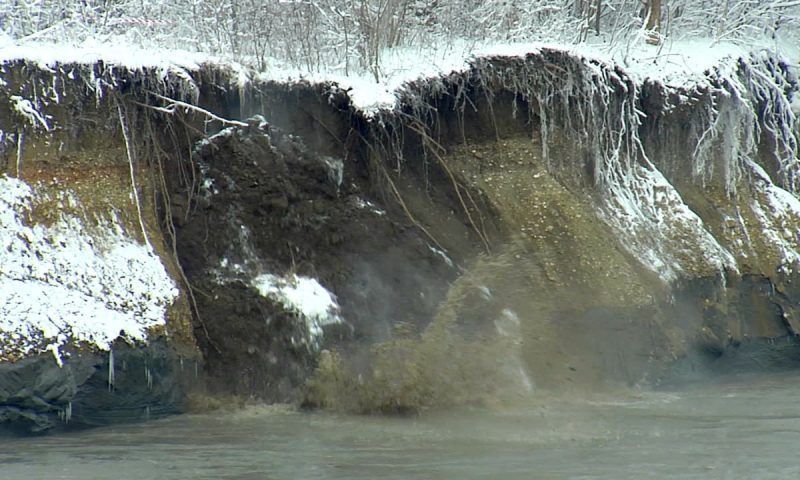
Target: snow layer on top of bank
pixel 675 63
pixel 64 284
pixel 124 55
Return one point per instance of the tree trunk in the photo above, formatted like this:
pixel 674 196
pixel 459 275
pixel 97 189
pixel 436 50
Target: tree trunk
pixel 598 10
pixel 653 22
pixel 578 9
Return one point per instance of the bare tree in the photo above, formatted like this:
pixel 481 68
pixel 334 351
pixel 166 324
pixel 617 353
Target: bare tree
pixel 652 24
pixel 354 36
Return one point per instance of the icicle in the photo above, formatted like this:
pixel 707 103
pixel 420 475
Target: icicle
pixel 148 377
pixel 20 149
pixel 147 412
pixel 110 369
pixel 65 415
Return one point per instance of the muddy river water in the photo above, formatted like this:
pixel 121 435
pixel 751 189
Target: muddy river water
pixel 737 427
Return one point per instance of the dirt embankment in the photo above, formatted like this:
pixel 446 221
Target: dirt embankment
pixel 544 292
pixel 303 203
pixel 559 284
pixel 74 136
pixel 466 243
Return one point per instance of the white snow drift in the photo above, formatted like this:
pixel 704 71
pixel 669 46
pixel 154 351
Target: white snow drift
pixel 61 284
pixel 304 296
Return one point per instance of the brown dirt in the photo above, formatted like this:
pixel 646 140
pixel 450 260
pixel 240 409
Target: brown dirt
pixel 299 221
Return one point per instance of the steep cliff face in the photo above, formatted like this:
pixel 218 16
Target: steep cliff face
pixel 94 319
pixel 290 253
pixel 649 230
pixel 295 248
pixel 647 222
pixel 538 221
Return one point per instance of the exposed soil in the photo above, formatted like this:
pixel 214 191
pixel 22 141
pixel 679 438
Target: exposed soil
pixel 452 249
pixel 273 206
pixel 473 183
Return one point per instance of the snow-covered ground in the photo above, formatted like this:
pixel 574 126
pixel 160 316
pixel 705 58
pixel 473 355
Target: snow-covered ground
pixel 675 63
pixel 115 55
pixel 61 283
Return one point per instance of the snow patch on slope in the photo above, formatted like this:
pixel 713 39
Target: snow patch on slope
pixel 62 284
pixel 304 296
pixel 660 230
pixel 778 213
pixel 313 304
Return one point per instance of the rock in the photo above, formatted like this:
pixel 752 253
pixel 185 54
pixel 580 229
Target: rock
pixel 38 396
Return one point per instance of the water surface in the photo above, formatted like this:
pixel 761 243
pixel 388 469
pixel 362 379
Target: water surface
pixel 744 427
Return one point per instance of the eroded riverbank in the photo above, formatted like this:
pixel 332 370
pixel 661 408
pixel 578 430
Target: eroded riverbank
pixel 590 225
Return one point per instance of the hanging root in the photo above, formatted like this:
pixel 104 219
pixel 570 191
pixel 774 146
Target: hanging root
pixel 770 86
pixel 158 154
pixel 408 213
pixel 436 149
pixel 595 108
pixel 129 148
pixel 732 112
pixel 396 193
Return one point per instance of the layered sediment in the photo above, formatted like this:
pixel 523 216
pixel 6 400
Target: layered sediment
pixel 546 221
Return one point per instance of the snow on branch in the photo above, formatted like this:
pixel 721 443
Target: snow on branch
pixel 25 108
pixel 173 105
pixel 362 36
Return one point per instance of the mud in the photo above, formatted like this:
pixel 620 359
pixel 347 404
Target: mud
pixel 274 206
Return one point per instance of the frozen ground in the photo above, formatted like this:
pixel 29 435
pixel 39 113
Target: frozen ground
pixel 62 283
pixel 675 63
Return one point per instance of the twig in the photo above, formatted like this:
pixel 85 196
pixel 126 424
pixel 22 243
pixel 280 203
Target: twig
pixel 173 104
pixel 428 140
